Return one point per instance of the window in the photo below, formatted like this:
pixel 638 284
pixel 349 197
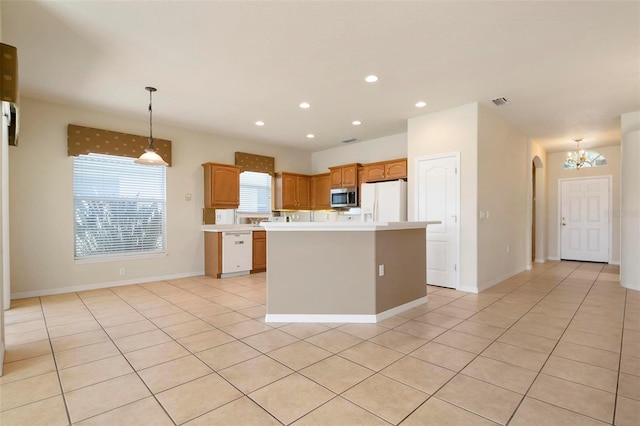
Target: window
pixel 255 192
pixel 120 207
pixel 592 159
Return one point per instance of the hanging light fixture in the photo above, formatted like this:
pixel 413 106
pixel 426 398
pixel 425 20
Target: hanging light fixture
pixel 150 157
pixel 577 158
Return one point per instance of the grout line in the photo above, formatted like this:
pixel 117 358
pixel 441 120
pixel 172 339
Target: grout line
pixel 624 317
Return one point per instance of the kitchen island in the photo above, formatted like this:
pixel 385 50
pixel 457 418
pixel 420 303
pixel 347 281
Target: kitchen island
pixel 344 271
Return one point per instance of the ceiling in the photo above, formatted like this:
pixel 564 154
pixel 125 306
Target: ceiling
pixel 568 69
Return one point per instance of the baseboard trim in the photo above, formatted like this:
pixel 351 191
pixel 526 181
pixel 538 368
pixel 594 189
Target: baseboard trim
pixel 553 258
pixel 1 357
pixel 615 263
pixel 348 318
pixel 96 286
pixel 484 286
pixel 536 260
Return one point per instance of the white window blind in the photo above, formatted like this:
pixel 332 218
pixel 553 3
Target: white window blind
pixel 255 192
pixel 120 206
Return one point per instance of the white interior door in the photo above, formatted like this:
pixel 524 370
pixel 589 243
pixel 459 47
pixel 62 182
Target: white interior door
pixel 437 199
pixel 584 219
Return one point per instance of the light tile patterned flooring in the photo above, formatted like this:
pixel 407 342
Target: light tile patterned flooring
pixel 559 344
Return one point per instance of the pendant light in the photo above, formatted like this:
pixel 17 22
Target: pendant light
pixel 150 157
pixel 577 158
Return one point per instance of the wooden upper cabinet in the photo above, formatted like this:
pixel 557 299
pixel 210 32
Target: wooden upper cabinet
pixel 344 176
pixel 221 186
pixel 385 170
pixel 292 191
pixel 396 169
pixel 320 191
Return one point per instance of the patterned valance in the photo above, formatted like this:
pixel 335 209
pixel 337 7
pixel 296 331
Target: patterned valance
pixel 255 163
pixel 85 140
pixel 8 73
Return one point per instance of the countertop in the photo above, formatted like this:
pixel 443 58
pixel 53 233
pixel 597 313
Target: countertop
pixel 231 228
pixel 344 226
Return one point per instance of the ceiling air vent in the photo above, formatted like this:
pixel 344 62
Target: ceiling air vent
pixel 500 101
pixel 349 140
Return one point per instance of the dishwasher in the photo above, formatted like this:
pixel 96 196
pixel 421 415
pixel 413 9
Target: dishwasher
pixel 237 253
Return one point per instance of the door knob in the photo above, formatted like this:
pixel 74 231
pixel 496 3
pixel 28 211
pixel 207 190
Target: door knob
pixel 563 222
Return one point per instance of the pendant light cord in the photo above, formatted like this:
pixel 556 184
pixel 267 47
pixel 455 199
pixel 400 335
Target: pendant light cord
pixel 151 90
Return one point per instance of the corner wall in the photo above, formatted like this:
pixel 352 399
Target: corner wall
pixel 503 169
pixel 555 172
pixel 41 200
pixel 630 201
pixel 540 192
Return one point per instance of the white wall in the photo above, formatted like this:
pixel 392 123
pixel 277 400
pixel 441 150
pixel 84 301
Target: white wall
pixel 630 201
pixel 555 172
pixel 452 130
pixel 502 192
pixel 41 203
pixel 371 151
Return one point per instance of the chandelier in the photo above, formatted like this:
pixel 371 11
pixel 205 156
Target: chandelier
pixel 578 157
pixel 150 156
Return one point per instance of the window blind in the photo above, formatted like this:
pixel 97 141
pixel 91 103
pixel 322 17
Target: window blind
pixel 255 192
pixel 119 206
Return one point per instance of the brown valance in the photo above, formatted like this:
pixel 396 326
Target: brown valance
pixel 85 140
pixel 255 163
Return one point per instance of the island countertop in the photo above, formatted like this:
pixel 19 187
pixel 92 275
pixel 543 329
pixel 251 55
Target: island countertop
pixel 344 226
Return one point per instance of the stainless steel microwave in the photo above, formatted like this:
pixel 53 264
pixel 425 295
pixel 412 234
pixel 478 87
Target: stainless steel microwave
pixel 344 197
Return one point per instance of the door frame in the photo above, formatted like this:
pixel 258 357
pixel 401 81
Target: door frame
pixel 416 188
pixel 609 201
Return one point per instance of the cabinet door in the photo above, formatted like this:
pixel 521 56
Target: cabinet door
pixel 373 172
pixel 226 187
pixel 350 176
pixel 304 193
pixel 289 191
pixel 321 189
pixel 259 250
pixel 221 186
pixel 395 169
pixel 336 177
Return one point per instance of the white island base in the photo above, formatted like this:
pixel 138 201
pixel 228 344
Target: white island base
pixel 344 272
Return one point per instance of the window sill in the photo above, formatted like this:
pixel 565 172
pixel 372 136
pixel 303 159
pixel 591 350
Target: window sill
pixel 119 258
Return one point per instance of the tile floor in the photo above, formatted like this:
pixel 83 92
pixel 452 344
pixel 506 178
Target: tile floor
pixel 559 344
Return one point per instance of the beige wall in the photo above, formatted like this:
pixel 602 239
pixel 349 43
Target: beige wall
pixel 502 192
pixel 381 149
pixel 538 153
pixel 630 201
pixel 41 203
pixel 555 172
pixel 452 130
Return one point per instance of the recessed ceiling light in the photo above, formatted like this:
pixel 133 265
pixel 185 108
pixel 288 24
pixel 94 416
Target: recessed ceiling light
pixel 356 122
pixel 371 78
pixel 311 136
pixel 259 123
pixel 421 104
pixel 305 105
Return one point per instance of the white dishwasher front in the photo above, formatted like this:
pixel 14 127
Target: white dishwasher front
pixel 237 253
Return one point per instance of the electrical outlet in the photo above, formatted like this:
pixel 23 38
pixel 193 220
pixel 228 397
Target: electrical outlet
pixel 508 249
pixel 187 197
pixel 123 271
pixel 381 270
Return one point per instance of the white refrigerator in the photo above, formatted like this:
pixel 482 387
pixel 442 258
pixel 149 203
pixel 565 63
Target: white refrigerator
pixel 384 201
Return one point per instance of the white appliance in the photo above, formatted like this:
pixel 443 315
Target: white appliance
pixel 384 201
pixel 237 253
pixel 225 216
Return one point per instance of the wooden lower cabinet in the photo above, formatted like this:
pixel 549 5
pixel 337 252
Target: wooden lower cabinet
pixel 213 253
pixel 259 251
